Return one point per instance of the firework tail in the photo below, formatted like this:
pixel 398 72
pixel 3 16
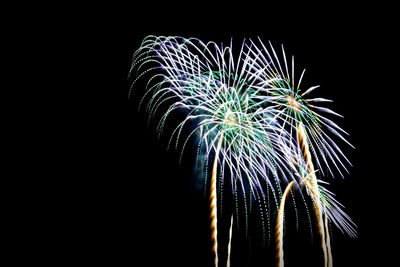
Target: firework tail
pixel 279 226
pixel 313 183
pixel 213 202
pixel 328 242
pixel 228 261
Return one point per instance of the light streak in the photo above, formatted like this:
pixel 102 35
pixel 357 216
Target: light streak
pixel 213 202
pixel 313 184
pixel 328 243
pixel 228 261
pixel 279 226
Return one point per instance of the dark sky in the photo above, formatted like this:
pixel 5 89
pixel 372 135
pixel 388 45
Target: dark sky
pixel 119 197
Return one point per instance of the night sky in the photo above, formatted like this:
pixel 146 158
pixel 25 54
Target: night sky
pixel 119 197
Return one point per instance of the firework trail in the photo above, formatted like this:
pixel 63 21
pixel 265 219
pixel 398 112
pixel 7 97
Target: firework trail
pixel 313 184
pixel 228 261
pixel 328 243
pixel 250 114
pixel 213 201
pixel 279 226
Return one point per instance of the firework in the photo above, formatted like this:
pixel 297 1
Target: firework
pixel 219 96
pixel 301 118
pixel 249 118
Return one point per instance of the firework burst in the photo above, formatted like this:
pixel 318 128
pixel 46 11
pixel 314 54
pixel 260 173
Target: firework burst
pixel 301 117
pixel 248 116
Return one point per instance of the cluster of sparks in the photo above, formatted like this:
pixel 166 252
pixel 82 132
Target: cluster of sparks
pixel 251 118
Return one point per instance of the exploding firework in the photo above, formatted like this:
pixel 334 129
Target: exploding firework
pixel 301 117
pixel 249 118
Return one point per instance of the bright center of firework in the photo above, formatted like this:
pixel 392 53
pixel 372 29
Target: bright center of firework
pixel 230 118
pixel 293 102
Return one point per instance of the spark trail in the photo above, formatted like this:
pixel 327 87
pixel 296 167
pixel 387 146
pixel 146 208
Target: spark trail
pixel 228 261
pixel 313 184
pixel 213 202
pixel 279 226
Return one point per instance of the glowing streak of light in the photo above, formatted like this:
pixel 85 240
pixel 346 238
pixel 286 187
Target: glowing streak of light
pixel 279 226
pixel 213 202
pixel 302 139
pixel 328 242
pixel 228 262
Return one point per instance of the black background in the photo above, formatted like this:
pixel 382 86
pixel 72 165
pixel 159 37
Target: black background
pixel 115 194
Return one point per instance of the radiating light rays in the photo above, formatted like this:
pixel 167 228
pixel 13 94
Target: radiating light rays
pixel 250 117
pixel 289 101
